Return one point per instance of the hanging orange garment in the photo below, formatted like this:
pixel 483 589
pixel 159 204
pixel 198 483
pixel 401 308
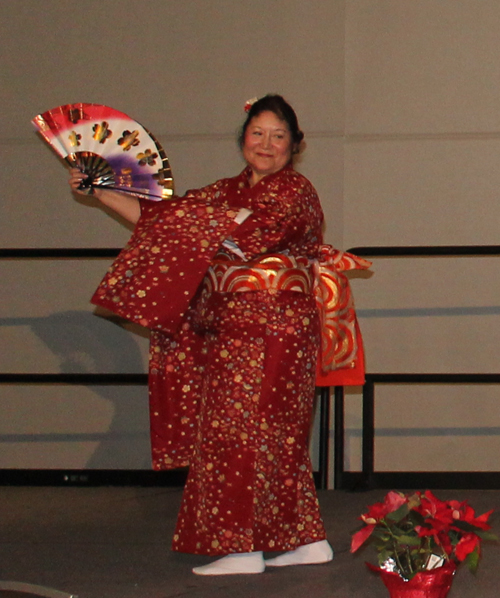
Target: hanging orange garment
pixel 341 357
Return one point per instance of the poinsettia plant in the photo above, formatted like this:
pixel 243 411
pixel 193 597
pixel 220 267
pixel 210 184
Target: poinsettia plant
pixel 417 532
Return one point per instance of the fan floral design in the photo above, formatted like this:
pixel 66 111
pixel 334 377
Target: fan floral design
pixel 113 150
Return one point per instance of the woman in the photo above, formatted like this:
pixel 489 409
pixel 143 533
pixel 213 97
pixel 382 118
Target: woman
pixel 233 361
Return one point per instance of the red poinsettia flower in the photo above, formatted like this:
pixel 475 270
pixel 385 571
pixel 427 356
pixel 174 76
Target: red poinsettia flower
pixel 359 538
pixel 444 541
pixel 466 513
pixel 379 510
pixel 376 513
pixel 415 530
pixel 435 509
pixel 467 544
pixel 434 526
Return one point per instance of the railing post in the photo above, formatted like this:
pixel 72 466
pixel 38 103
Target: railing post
pixel 324 436
pixel 368 450
pixel 339 440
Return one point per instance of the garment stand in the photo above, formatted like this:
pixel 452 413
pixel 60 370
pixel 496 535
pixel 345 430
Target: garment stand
pixel 324 436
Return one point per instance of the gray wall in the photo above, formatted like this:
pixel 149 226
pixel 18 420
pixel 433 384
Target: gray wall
pixel 184 70
pixel 422 141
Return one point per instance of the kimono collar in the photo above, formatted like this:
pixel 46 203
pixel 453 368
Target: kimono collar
pixel 247 171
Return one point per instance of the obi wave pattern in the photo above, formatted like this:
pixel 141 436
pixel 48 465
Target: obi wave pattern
pixel 271 272
pixel 323 277
pixel 115 151
pixel 334 298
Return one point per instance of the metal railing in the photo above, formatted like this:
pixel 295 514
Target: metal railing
pixel 92 476
pixel 81 476
pixel 368 477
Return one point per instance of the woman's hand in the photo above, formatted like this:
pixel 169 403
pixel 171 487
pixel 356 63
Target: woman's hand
pixel 123 204
pixel 76 176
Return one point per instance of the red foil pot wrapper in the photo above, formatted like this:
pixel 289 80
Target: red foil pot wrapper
pixel 435 583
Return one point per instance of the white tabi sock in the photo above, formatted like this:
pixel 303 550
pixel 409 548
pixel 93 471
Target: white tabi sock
pixel 233 564
pixel 308 554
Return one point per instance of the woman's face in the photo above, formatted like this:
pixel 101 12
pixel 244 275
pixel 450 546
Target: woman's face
pixel 267 145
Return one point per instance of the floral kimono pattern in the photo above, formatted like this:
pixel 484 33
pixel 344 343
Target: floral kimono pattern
pixel 236 315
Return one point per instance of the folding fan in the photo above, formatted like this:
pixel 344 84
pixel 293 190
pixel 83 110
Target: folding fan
pixel 114 151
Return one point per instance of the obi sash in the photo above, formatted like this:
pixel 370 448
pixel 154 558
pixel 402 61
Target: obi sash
pixel 341 360
pixel 272 272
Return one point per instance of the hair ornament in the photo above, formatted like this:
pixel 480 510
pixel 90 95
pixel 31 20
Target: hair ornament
pixel 249 104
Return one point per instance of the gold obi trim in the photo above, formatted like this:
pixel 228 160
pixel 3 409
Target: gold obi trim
pixel 339 338
pixel 322 277
pixel 272 272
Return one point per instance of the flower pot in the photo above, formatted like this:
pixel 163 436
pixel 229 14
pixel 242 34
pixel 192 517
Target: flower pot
pixel 426 584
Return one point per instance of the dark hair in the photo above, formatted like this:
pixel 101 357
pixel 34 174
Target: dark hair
pixel 282 109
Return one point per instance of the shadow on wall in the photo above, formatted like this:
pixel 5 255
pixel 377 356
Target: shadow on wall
pixel 88 344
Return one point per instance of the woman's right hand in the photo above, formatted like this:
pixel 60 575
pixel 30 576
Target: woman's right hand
pixel 76 176
pixel 123 204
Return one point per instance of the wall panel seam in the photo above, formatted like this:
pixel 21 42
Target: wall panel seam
pixel 464 136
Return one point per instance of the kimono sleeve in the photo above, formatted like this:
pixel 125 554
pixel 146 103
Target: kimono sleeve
pixel 155 276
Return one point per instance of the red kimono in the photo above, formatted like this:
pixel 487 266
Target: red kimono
pixel 236 315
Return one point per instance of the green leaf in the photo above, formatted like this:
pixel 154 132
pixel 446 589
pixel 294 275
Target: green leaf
pixel 472 560
pixel 399 514
pixel 465 526
pixel 416 518
pixel 487 536
pixel 379 543
pixel 407 540
pixel 384 555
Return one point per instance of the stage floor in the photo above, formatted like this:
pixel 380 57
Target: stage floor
pixel 114 542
